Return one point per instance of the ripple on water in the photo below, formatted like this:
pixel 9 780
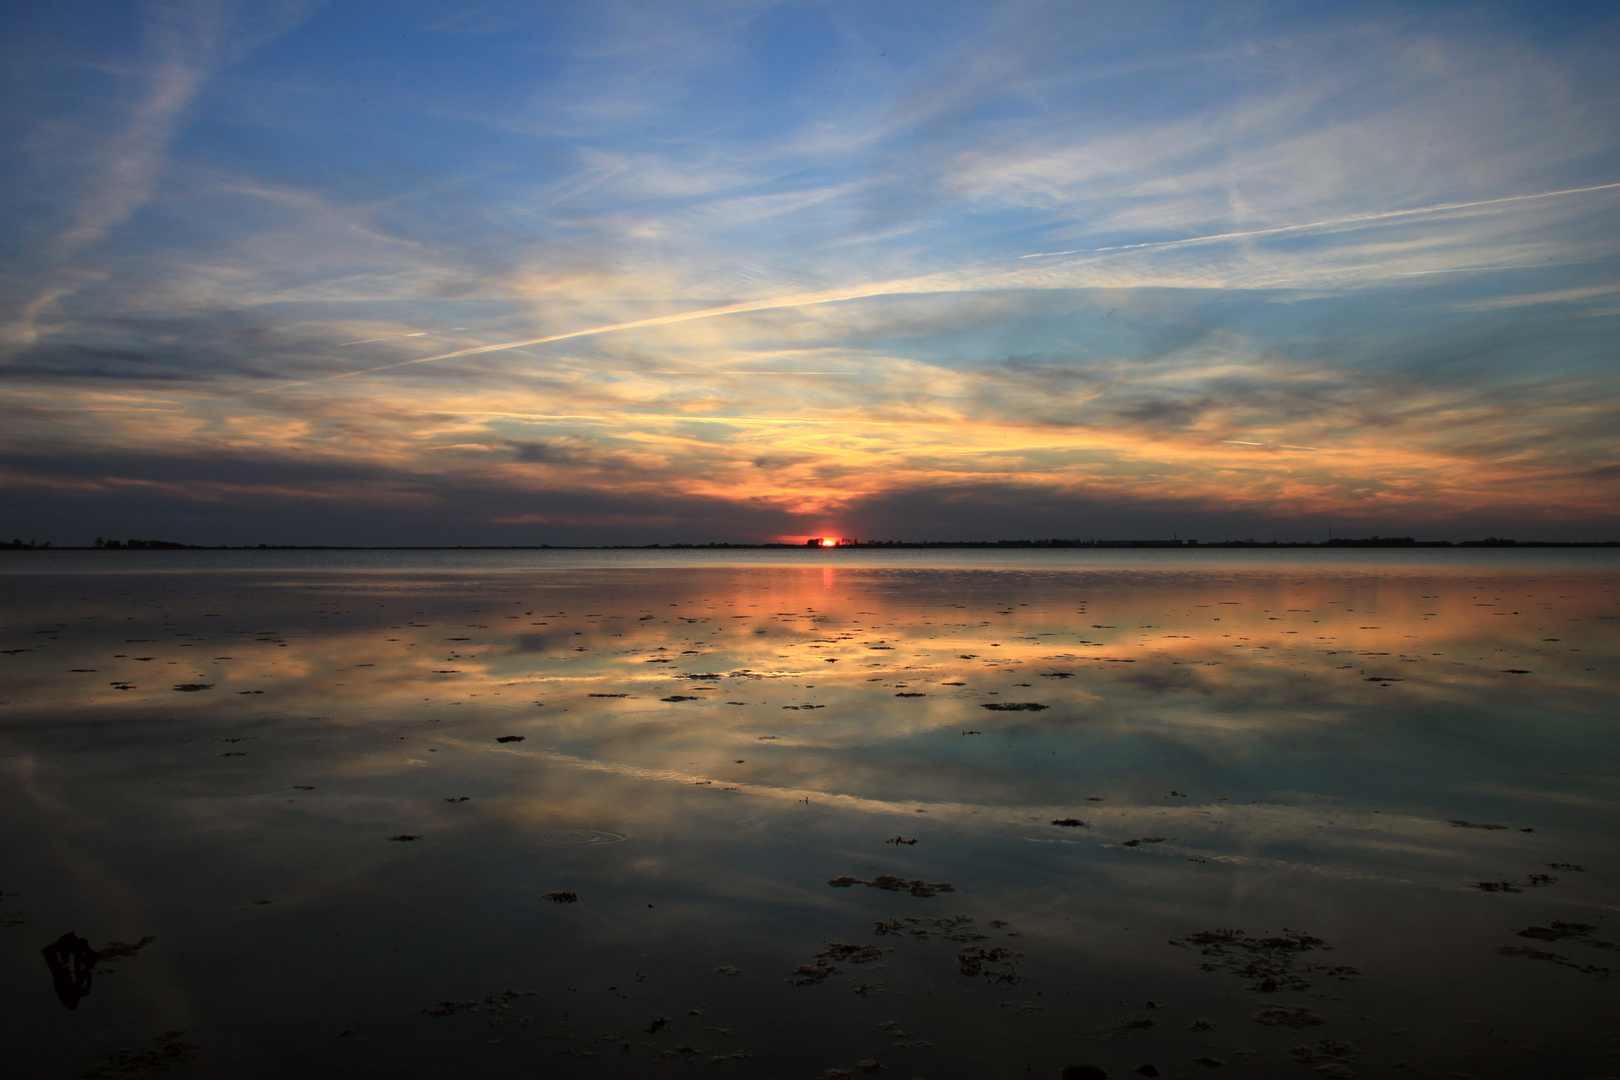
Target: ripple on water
pixel 222 782
pixel 582 836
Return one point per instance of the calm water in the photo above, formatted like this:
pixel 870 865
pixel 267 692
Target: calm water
pixel 772 814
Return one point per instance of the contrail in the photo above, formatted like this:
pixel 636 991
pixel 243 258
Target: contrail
pixel 1383 215
pixel 799 300
pixel 904 285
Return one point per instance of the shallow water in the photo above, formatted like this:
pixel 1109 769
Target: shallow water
pixel 1329 752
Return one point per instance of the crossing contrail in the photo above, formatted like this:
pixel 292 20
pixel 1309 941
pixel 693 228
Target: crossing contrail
pixel 1352 219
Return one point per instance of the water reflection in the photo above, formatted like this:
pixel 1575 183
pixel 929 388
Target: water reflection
pixel 781 796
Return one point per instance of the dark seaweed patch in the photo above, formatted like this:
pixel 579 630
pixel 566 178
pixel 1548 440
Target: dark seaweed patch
pixel 1271 963
pixel 890 883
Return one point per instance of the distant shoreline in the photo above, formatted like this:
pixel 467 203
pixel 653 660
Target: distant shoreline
pixel 1399 543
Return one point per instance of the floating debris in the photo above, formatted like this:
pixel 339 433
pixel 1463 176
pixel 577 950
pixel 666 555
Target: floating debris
pixel 1294 1016
pixel 406 836
pixel 564 896
pixel 495 1004
pixel 511 738
pixel 1558 931
pixel 1014 706
pixel 1071 822
pixel 812 973
pixel 902 840
pixel 1529 953
pixel 1461 824
pixel 890 883
pixel 170 1050
pixel 995 964
pixel 193 687
pixel 951 928
pixel 1126 1026
pixel 1143 840
pixel 1271 962
pixel 1530 881
pixel 1331 1049
pixel 852 954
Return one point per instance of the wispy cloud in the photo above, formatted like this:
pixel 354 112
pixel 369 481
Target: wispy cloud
pixel 184 42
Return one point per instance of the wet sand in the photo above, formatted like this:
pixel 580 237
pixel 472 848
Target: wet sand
pixel 1264 819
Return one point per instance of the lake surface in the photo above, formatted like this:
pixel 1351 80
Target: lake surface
pixel 950 814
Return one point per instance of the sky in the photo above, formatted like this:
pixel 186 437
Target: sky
pixel 514 272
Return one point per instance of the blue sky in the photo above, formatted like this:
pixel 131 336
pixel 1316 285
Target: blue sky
pixel 596 273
